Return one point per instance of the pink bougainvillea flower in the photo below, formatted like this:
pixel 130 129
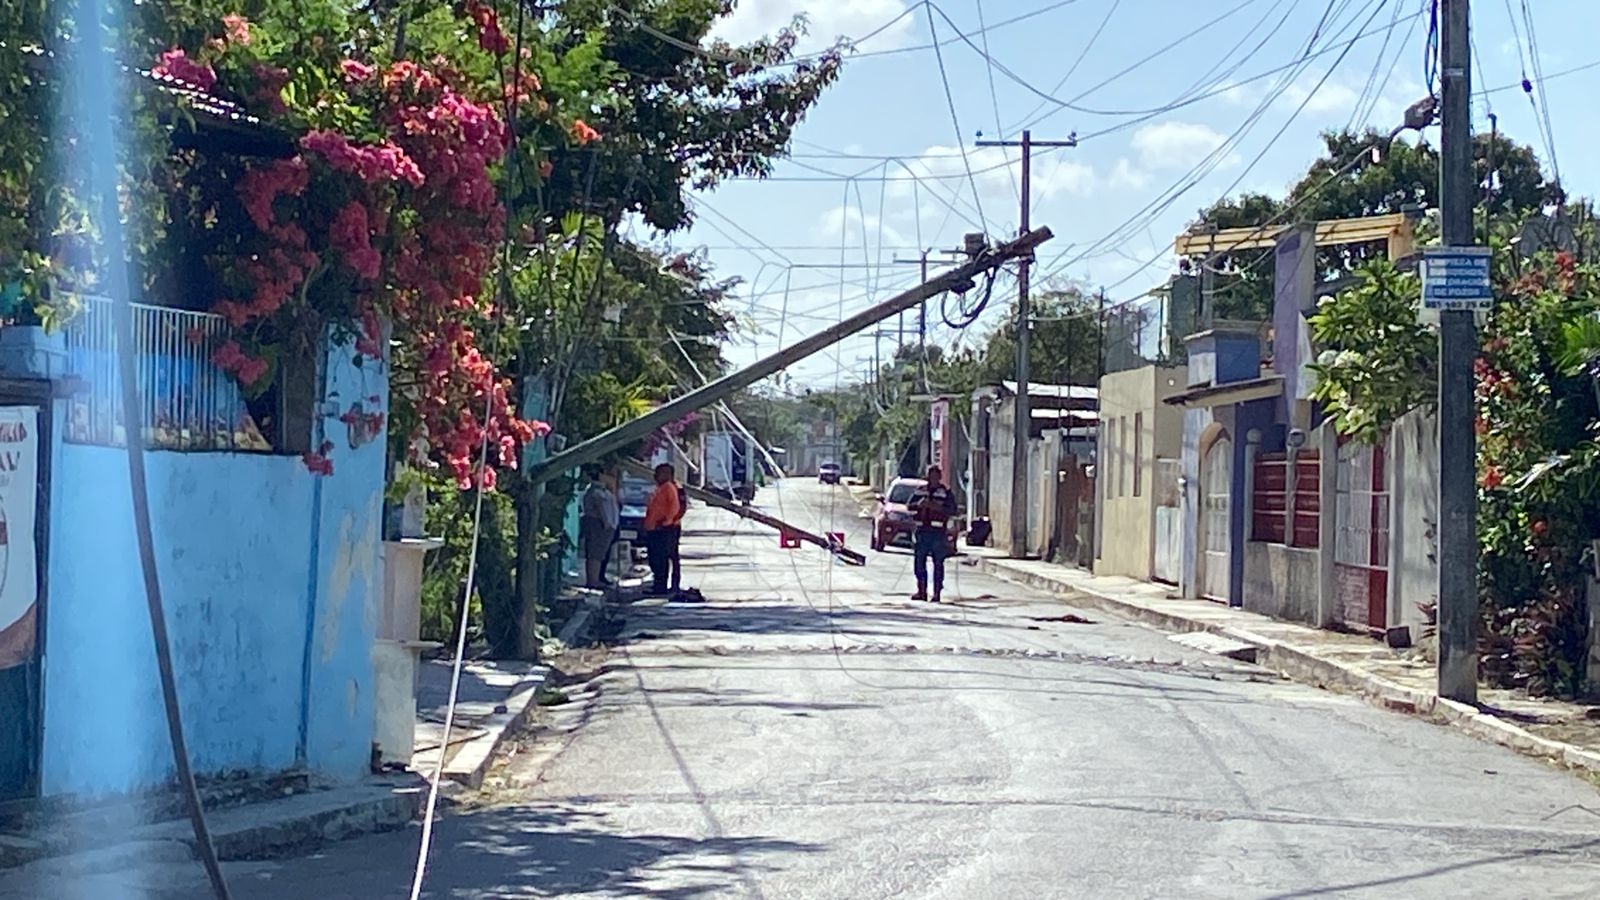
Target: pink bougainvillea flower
pixel 238 28
pixel 545 168
pixel 355 71
pixel 176 65
pixel 317 463
pixel 583 133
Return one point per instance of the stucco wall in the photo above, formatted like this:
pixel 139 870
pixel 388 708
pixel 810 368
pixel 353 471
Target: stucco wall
pixel 272 583
pixel 1130 399
pixel 1414 503
pixel 1281 581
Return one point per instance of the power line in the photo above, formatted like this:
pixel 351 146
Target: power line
pixel 1212 160
pixel 1143 116
pixel 1076 61
pixel 955 120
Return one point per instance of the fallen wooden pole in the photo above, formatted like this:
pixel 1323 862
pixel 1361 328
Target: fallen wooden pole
pixel 837 549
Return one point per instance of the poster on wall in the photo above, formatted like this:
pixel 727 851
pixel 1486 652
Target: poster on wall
pixel 19 498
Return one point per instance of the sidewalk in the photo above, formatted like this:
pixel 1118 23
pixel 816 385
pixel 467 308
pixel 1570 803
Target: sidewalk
pixel 493 700
pixel 1567 733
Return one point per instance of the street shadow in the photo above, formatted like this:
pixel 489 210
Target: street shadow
pixel 553 850
pixel 652 623
pixel 543 850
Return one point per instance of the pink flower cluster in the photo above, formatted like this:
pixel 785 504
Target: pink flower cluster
pixel 490 36
pixel 354 72
pixel 177 65
pixel 261 187
pixel 372 163
pixel 317 461
pixel 270 82
pixel 350 235
pixel 230 358
pixel 238 28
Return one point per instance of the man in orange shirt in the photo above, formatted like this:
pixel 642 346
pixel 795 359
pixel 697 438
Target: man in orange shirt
pixel 661 517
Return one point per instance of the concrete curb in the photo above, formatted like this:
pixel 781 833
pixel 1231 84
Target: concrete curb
pixel 580 620
pixel 1308 668
pixel 473 760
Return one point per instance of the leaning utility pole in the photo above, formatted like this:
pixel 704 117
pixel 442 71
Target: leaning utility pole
pixel 1023 416
pixel 960 279
pixel 1458 345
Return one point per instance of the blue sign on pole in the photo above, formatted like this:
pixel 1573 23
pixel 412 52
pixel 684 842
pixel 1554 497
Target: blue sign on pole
pixel 1456 278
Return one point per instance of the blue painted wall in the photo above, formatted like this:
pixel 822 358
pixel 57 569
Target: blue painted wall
pixel 247 575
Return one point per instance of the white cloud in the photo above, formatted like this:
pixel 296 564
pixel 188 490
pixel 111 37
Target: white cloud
pixel 1176 145
pixel 858 229
pixel 1127 175
pixel 997 172
pixel 826 21
pixel 1333 97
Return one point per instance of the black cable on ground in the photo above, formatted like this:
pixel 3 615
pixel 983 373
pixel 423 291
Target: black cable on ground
pixel 97 69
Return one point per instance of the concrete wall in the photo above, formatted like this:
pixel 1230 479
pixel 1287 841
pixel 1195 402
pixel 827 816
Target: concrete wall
pixel 1128 400
pixel 1282 582
pixel 1001 471
pixel 272 582
pixel 1413 517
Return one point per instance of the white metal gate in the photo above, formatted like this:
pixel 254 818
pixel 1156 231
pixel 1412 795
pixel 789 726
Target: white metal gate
pixel 1216 487
pixel 1168 562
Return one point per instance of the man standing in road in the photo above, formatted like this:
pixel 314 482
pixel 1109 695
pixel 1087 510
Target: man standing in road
pixel 660 517
pixel 933 505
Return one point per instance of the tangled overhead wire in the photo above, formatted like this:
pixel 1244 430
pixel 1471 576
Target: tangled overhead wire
pixel 969 313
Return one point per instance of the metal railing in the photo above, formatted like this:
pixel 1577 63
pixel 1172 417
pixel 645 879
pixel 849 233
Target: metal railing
pixel 188 402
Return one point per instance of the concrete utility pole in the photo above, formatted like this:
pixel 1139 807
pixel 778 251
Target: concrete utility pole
pixel 960 279
pixel 1458 345
pixel 1024 412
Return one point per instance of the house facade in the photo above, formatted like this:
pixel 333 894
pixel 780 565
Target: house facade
pixel 1138 487
pixel 271 576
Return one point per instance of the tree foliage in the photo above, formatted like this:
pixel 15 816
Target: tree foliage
pixel 1348 181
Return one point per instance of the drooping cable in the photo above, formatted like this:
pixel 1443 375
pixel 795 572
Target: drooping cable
pixel 95 107
pixel 430 808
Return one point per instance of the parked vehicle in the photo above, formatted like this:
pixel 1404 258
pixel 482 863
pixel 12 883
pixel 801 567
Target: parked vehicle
pixel 634 494
pixel 828 473
pixel 893 524
pixel 728 471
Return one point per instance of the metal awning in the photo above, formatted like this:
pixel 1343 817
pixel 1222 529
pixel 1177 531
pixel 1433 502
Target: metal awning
pixel 1229 393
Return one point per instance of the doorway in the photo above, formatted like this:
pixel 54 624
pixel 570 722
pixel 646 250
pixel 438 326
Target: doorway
pixel 22 537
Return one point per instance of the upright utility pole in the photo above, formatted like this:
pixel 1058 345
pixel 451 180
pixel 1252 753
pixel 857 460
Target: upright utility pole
pixel 1023 418
pixel 922 314
pixel 1458 345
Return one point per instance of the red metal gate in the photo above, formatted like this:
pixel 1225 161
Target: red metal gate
pixel 1361 542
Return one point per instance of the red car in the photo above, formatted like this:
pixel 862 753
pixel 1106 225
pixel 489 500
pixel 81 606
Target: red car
pixel 893 524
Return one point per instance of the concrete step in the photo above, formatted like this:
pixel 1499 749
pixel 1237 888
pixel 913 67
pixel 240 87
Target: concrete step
pixel 1217 645
pixel 260 830
pixel 34 829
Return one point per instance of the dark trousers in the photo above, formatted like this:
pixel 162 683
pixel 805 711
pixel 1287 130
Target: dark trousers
pixel 666 567
pixel 673 537
pixel 930 545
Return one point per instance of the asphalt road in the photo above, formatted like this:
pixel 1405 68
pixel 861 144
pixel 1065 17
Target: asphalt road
pixel 812 733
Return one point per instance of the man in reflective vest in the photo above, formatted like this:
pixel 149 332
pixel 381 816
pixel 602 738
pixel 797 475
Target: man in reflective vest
pixel 933 506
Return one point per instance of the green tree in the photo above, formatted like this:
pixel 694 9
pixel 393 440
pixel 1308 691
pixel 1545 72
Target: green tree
pixel 1349 180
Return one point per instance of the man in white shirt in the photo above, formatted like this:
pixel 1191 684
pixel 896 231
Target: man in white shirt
pixel 598 516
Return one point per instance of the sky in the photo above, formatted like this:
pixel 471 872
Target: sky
pixel 1174 103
